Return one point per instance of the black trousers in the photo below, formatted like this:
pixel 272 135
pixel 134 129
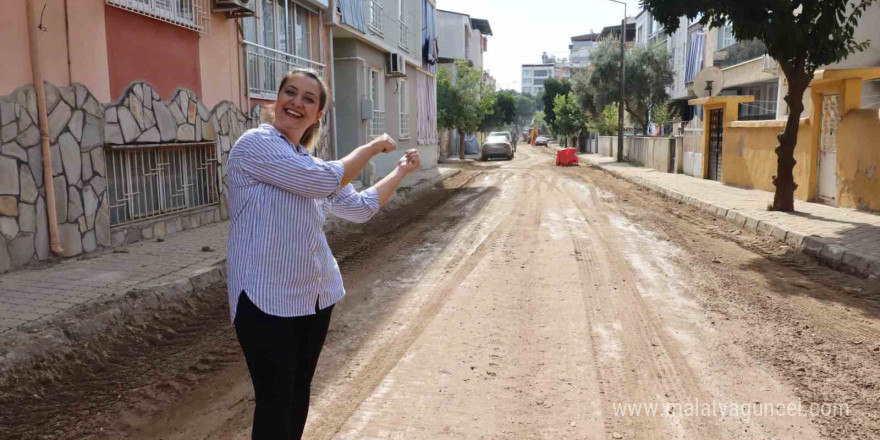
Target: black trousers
pixel 281 355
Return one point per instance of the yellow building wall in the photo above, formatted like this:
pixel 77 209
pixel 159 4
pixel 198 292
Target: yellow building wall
pixel 221 63
pixel 858 160
pixel 749 156
pixel 86 50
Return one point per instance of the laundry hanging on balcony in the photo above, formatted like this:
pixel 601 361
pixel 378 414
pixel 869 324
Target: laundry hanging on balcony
pixel 429 34
pixel 353 14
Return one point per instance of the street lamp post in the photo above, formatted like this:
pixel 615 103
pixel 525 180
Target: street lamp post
pixel 622 85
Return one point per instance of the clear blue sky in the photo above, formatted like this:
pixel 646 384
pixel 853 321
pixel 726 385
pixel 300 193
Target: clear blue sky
pixel 523 29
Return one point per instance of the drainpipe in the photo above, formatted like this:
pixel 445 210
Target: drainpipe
pixel 37 71
pixel 366 76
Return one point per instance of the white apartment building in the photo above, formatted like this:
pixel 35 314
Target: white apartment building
pixel 580 49
pixel 534 75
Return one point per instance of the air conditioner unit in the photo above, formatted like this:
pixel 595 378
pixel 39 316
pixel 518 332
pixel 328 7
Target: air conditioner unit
pixel 236 8
pixel 396 65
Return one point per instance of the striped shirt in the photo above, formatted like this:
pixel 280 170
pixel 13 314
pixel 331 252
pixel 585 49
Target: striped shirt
pixel 279 196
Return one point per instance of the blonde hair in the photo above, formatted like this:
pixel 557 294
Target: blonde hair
pixel 313 133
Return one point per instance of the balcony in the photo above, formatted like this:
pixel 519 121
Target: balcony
pixel 375 17
pixel 377 124
pixel 739 53
pixel 266 66
pixel 190 14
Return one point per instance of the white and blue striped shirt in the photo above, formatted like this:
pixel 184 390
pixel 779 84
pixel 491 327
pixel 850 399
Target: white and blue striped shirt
pixel 278 198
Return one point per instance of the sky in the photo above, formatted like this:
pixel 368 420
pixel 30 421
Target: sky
pixel 523 29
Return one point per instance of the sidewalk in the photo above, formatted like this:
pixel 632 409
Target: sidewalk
pixel 190 258
pixel 842 238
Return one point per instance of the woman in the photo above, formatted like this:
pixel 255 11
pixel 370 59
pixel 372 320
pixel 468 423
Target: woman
pixel 283 280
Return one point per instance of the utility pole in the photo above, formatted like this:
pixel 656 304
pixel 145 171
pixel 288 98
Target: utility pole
pixel 622 81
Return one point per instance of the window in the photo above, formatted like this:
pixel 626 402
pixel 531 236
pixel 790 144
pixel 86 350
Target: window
pixel 146 182
pixel 539 82
pixel 282 25
pixel 527 81
pixel 278 39
pixel 403 109
pixel 541 74
pixel 185 13
pixel 640 34
pixel 725 37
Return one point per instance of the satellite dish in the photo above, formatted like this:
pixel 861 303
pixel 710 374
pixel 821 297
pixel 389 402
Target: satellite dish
pixel 709 82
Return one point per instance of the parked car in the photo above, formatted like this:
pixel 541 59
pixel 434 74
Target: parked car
pixel 509 136
pixel 496 146
pixel 542 140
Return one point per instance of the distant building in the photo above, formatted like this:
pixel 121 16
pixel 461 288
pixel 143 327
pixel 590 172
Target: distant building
pixel 534 75
pixel 614 32
pixel 489 80
pixel 580 49
pixel 461 37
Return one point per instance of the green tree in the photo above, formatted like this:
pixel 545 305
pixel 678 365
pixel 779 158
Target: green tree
pixel 462 101
pixel 648 74
pixel 664 114
pixel 553 88
pixel 502 111
pixel 524 112
pixel 800 35
pixel 540 122
pixel 570 118
pixel 605 122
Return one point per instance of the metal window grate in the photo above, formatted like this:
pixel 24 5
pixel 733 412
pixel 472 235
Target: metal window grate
pixel 377 124
pixel 267 65
pixel 190 14
pixel 405 129
pixel 376 18
pixel 403 42
pixel 150 181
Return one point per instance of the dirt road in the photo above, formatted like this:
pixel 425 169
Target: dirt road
pixel 525 301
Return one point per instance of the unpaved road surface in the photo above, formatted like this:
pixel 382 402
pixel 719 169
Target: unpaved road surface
pixel 518 301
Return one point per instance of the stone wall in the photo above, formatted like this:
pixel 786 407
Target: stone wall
pixel 80 129
pixel 76 133
pixel 141 117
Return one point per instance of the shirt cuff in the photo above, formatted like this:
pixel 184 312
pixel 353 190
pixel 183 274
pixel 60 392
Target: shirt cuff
pixel 371 198
pixel 338 170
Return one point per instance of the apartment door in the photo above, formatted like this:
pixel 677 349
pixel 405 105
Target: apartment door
pixel 716 140
pixel 828 149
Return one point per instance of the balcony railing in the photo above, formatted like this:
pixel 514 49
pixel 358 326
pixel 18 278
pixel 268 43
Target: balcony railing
pixel 266 66
pixel 147 182
pixel 403 42
pixel 377 124
pixel 375 17
pixel 739 53
pixel 405 129
pixel 191 14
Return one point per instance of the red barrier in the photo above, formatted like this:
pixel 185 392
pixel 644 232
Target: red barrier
pixel 566 157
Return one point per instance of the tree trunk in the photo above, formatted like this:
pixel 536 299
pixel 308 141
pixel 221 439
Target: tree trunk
pixel 783 199
pixel 460 144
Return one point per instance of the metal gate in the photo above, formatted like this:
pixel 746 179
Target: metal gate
pixel 716 140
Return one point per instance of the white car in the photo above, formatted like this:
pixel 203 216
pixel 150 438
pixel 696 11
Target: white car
pixel 508 135
pixel 496 146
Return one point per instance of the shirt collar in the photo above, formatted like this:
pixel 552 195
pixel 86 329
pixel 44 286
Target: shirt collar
pixel 299 149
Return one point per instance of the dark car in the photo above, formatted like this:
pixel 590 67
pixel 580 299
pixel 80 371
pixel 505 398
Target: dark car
pixel 542 140
pixel 496 146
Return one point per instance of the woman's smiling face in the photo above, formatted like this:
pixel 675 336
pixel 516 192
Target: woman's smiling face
pixel 298 105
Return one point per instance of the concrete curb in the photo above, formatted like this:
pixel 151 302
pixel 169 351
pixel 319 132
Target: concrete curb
pixel 833 255
pixel 49 342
